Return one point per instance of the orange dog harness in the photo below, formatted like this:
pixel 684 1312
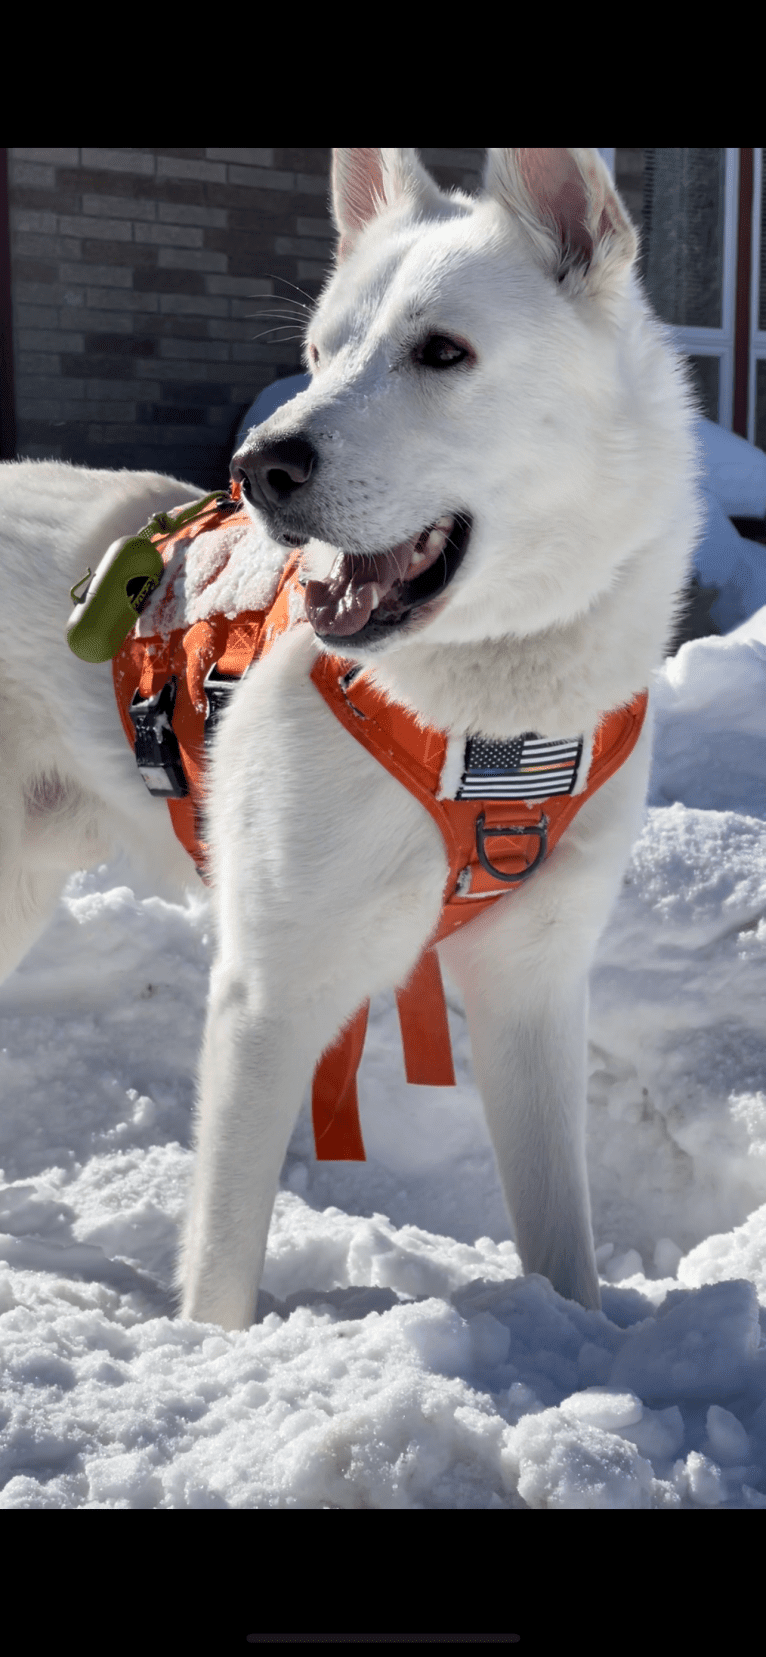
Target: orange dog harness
pixel 512 804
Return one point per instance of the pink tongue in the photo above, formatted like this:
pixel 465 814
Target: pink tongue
pixel 342 605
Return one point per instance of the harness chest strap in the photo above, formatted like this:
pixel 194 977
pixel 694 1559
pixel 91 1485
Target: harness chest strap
pixel 415 757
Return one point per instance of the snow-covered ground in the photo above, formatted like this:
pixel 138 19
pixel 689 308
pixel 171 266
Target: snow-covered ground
pixel 400 1359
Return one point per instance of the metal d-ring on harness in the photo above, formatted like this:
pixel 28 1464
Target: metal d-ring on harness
pixel 482 834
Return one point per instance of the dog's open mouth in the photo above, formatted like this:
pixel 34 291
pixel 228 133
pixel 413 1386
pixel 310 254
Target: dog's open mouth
pixel 366 597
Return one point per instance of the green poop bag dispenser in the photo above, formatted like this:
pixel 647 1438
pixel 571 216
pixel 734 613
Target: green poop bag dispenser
pixel 104 614
pixel 114 597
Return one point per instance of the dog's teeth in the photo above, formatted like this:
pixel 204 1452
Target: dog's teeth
pixel 439 534
pixel 430 542
pixel 375 597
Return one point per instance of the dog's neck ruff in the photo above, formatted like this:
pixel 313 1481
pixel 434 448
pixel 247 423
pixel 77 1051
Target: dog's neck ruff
pixel 501 808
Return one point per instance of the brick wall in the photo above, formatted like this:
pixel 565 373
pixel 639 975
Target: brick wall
pixel 138 278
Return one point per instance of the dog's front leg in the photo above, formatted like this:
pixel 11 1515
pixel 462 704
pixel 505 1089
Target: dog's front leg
pixel 530 1060
pixel 254 1070
pixel 327 883
pixel 523 970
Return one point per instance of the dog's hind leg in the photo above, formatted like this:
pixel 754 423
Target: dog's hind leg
pixel 28 900
pixel 49 826
pixel 29 887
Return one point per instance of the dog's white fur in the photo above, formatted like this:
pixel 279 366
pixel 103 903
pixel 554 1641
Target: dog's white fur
pixel 567 437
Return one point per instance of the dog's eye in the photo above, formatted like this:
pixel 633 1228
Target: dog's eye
pixel 313 355
pixel 439 351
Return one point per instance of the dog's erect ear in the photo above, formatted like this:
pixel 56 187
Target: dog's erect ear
pixel 366 181
pixel 566 203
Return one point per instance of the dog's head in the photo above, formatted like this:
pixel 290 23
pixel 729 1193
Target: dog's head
pixel 462 460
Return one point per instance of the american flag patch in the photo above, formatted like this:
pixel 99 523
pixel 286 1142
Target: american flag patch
pixel 525 767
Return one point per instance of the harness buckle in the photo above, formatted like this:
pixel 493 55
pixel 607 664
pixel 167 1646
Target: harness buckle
pixel 483 834
pixel 158 756
pixel 218 687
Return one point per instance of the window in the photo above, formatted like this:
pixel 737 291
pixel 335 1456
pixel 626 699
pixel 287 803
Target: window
pixel 702 215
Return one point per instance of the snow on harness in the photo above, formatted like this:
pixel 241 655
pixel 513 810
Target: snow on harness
pixel 515 794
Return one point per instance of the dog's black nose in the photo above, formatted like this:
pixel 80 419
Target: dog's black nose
pixel 271 474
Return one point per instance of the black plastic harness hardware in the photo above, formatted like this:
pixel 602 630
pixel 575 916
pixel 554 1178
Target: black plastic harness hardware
pixel 157 753
pixel 218 687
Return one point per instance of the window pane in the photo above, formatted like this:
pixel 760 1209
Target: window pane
pixel 682 252
pixel 706 376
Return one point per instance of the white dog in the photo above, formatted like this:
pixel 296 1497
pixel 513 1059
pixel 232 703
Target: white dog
pixel 493 474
